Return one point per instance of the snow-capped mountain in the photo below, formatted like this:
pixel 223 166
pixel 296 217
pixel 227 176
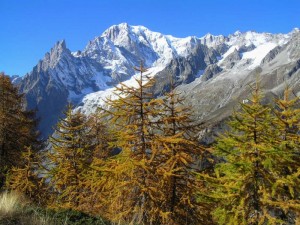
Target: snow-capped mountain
pixel 273 59
pixel 85 77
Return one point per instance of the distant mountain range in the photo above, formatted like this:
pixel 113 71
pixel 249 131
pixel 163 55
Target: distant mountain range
pixel 213 72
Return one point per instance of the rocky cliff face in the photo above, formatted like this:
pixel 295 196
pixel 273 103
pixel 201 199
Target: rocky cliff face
pixel 58 78
pixel 214 99
pixel 213 71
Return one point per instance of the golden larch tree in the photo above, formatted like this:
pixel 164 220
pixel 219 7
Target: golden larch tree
pixel 178 152
pixel 17 127
pixel 68 159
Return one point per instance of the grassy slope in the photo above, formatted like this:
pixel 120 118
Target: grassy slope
pixel 14 210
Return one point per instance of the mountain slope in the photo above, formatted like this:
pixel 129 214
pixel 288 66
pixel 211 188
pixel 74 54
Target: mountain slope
pixel 215 98
pixel 212 70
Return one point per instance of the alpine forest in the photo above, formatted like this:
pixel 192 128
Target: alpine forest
pixel 140 159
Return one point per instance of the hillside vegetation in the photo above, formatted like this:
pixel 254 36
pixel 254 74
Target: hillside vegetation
pixel 138 160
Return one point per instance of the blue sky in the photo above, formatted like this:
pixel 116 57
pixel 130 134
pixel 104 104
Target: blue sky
pixel 29 28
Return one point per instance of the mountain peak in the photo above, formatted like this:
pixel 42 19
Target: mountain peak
pixel 237 33
pixel 113 31
pixel 56 53
pixel 60 44
pixel 296 30
pixel 58 48
pixel 124 25
pixel 121 26
pixel 63 76
pixel 208 35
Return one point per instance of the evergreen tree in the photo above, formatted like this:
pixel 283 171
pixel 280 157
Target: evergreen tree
pixel 91 199
pixel 176 163
pixel 25 178
pixel 69 159
pixel 249 173
pixel 152 180
pixel 285 195
pixel 17 127
pixel 128 180
pixel 100 135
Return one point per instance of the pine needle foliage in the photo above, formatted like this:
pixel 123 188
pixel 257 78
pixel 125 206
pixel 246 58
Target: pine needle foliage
pixel 100 135
pixel 285 195
pixel 92 198
pixel 17 127
pixel 152 180
pixel 128 178
pixel 69 159
pixel 249 173
pixel 178 151
pixel 25 178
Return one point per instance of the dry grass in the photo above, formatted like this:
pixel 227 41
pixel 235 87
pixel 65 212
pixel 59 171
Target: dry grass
pixel 13 211
pixel 10 203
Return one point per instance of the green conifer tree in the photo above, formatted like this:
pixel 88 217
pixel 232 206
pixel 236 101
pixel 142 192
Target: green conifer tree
pixel 247 172
pixel 285 195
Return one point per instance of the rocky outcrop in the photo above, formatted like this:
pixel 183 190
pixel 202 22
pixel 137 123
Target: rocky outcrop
pixel 232 59
pixel 214 99
pixel 53 82
pixel 213 71
pixel 210 72
pixel 271 55
pixel 246 48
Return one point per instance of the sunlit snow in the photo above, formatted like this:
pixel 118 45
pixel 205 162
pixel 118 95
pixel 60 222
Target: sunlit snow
pixel 158 50
pixel 258 54
pixel 94 100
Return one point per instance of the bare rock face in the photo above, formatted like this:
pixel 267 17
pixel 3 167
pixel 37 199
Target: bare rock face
pixel 210 72
pixel 184 70
pixel 246 48
pixel 214 99
pixel 48 86
pixel 232 59
pixel 271 55
pixel 213 72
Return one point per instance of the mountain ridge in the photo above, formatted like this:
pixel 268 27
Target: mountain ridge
pixel 82 77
